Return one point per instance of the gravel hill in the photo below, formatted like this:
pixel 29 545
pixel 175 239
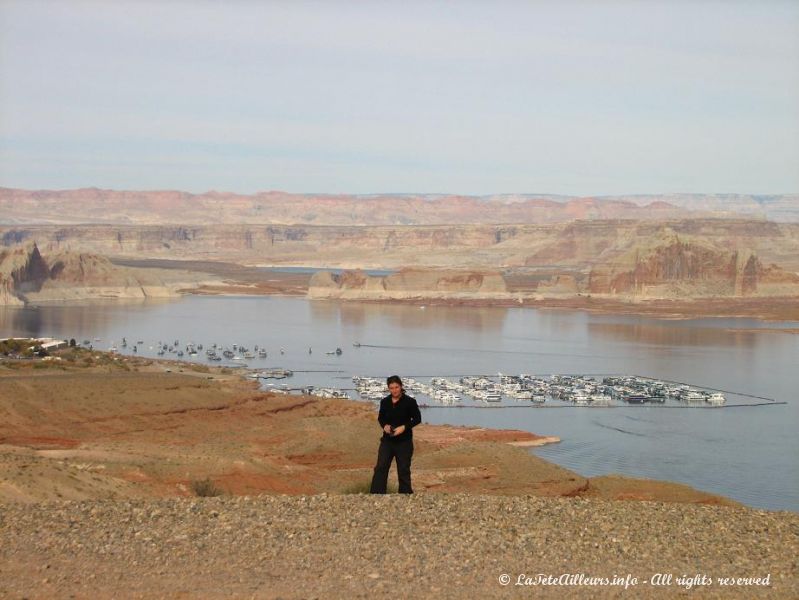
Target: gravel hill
pixel 361 546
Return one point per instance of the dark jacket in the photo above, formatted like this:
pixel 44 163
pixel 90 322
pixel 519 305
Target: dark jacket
pixel 404 412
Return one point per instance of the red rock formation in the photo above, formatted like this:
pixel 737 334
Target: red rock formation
pixel 749 276
pixel 407 283
pixel 673 267
pixel 22 269
pixel 26 275
pixel 173 207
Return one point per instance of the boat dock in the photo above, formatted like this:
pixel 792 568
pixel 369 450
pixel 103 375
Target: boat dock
pixel 543 391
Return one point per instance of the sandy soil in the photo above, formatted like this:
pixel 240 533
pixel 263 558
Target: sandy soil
pixel 127 428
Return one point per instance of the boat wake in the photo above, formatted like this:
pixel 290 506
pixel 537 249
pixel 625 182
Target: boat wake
pixel 479 351
pixel 640 419
pixel 619 429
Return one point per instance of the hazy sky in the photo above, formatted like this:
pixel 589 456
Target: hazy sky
pixel 465 97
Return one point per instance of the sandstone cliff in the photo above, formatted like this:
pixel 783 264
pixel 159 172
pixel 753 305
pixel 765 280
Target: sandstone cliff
pixel 728 258
pixel 22 270
pixel 409 284
pixel 27 276
pixel 672 266
pixel 577 245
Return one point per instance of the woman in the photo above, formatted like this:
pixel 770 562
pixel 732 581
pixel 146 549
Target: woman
pixel 398 415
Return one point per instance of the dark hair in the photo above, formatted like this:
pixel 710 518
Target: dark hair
pixel 394 379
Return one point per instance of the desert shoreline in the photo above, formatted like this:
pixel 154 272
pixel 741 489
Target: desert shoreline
pixel 31 279
pixel 779 310
pixel 196 401
pixel 270 280
pixel 256 282
pixel 105 502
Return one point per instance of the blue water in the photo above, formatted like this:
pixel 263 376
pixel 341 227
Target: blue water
pixel 746 453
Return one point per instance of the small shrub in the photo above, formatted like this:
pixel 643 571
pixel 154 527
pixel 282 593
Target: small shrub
pixel 71 355
pixel 364 487
pixel 10 347
pixel 205 488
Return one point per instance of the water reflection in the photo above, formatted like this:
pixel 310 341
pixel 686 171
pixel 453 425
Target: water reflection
pixel 410 316
pixel 45 322
pixel 72 320
pixel 672 334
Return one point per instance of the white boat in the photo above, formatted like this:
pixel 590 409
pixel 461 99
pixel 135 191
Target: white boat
pixel 692 396
pixel 716 399
pixel 600 400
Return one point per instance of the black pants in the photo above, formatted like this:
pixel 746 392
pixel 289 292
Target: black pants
pixel 402 451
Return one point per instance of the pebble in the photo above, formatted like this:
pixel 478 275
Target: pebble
pixel 350 546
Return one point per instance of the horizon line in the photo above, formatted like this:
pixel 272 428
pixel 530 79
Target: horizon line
pixel 366 194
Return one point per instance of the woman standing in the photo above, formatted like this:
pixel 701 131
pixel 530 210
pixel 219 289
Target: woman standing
pixel 398 415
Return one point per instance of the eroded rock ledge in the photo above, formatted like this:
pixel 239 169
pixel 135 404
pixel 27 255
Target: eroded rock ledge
pixel 408 284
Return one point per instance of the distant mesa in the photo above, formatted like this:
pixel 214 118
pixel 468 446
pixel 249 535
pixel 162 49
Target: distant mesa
pixel 670 267
pixel 92 205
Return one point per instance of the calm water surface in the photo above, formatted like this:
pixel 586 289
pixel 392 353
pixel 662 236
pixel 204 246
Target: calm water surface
pixel 746 453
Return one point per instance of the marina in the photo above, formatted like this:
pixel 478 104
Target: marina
pixel 553 391
pixel 474 391
pixel 743 448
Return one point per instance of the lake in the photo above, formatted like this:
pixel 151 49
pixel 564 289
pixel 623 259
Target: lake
pixel 748 453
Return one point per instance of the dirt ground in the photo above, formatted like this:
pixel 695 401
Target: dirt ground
pixel 132 428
